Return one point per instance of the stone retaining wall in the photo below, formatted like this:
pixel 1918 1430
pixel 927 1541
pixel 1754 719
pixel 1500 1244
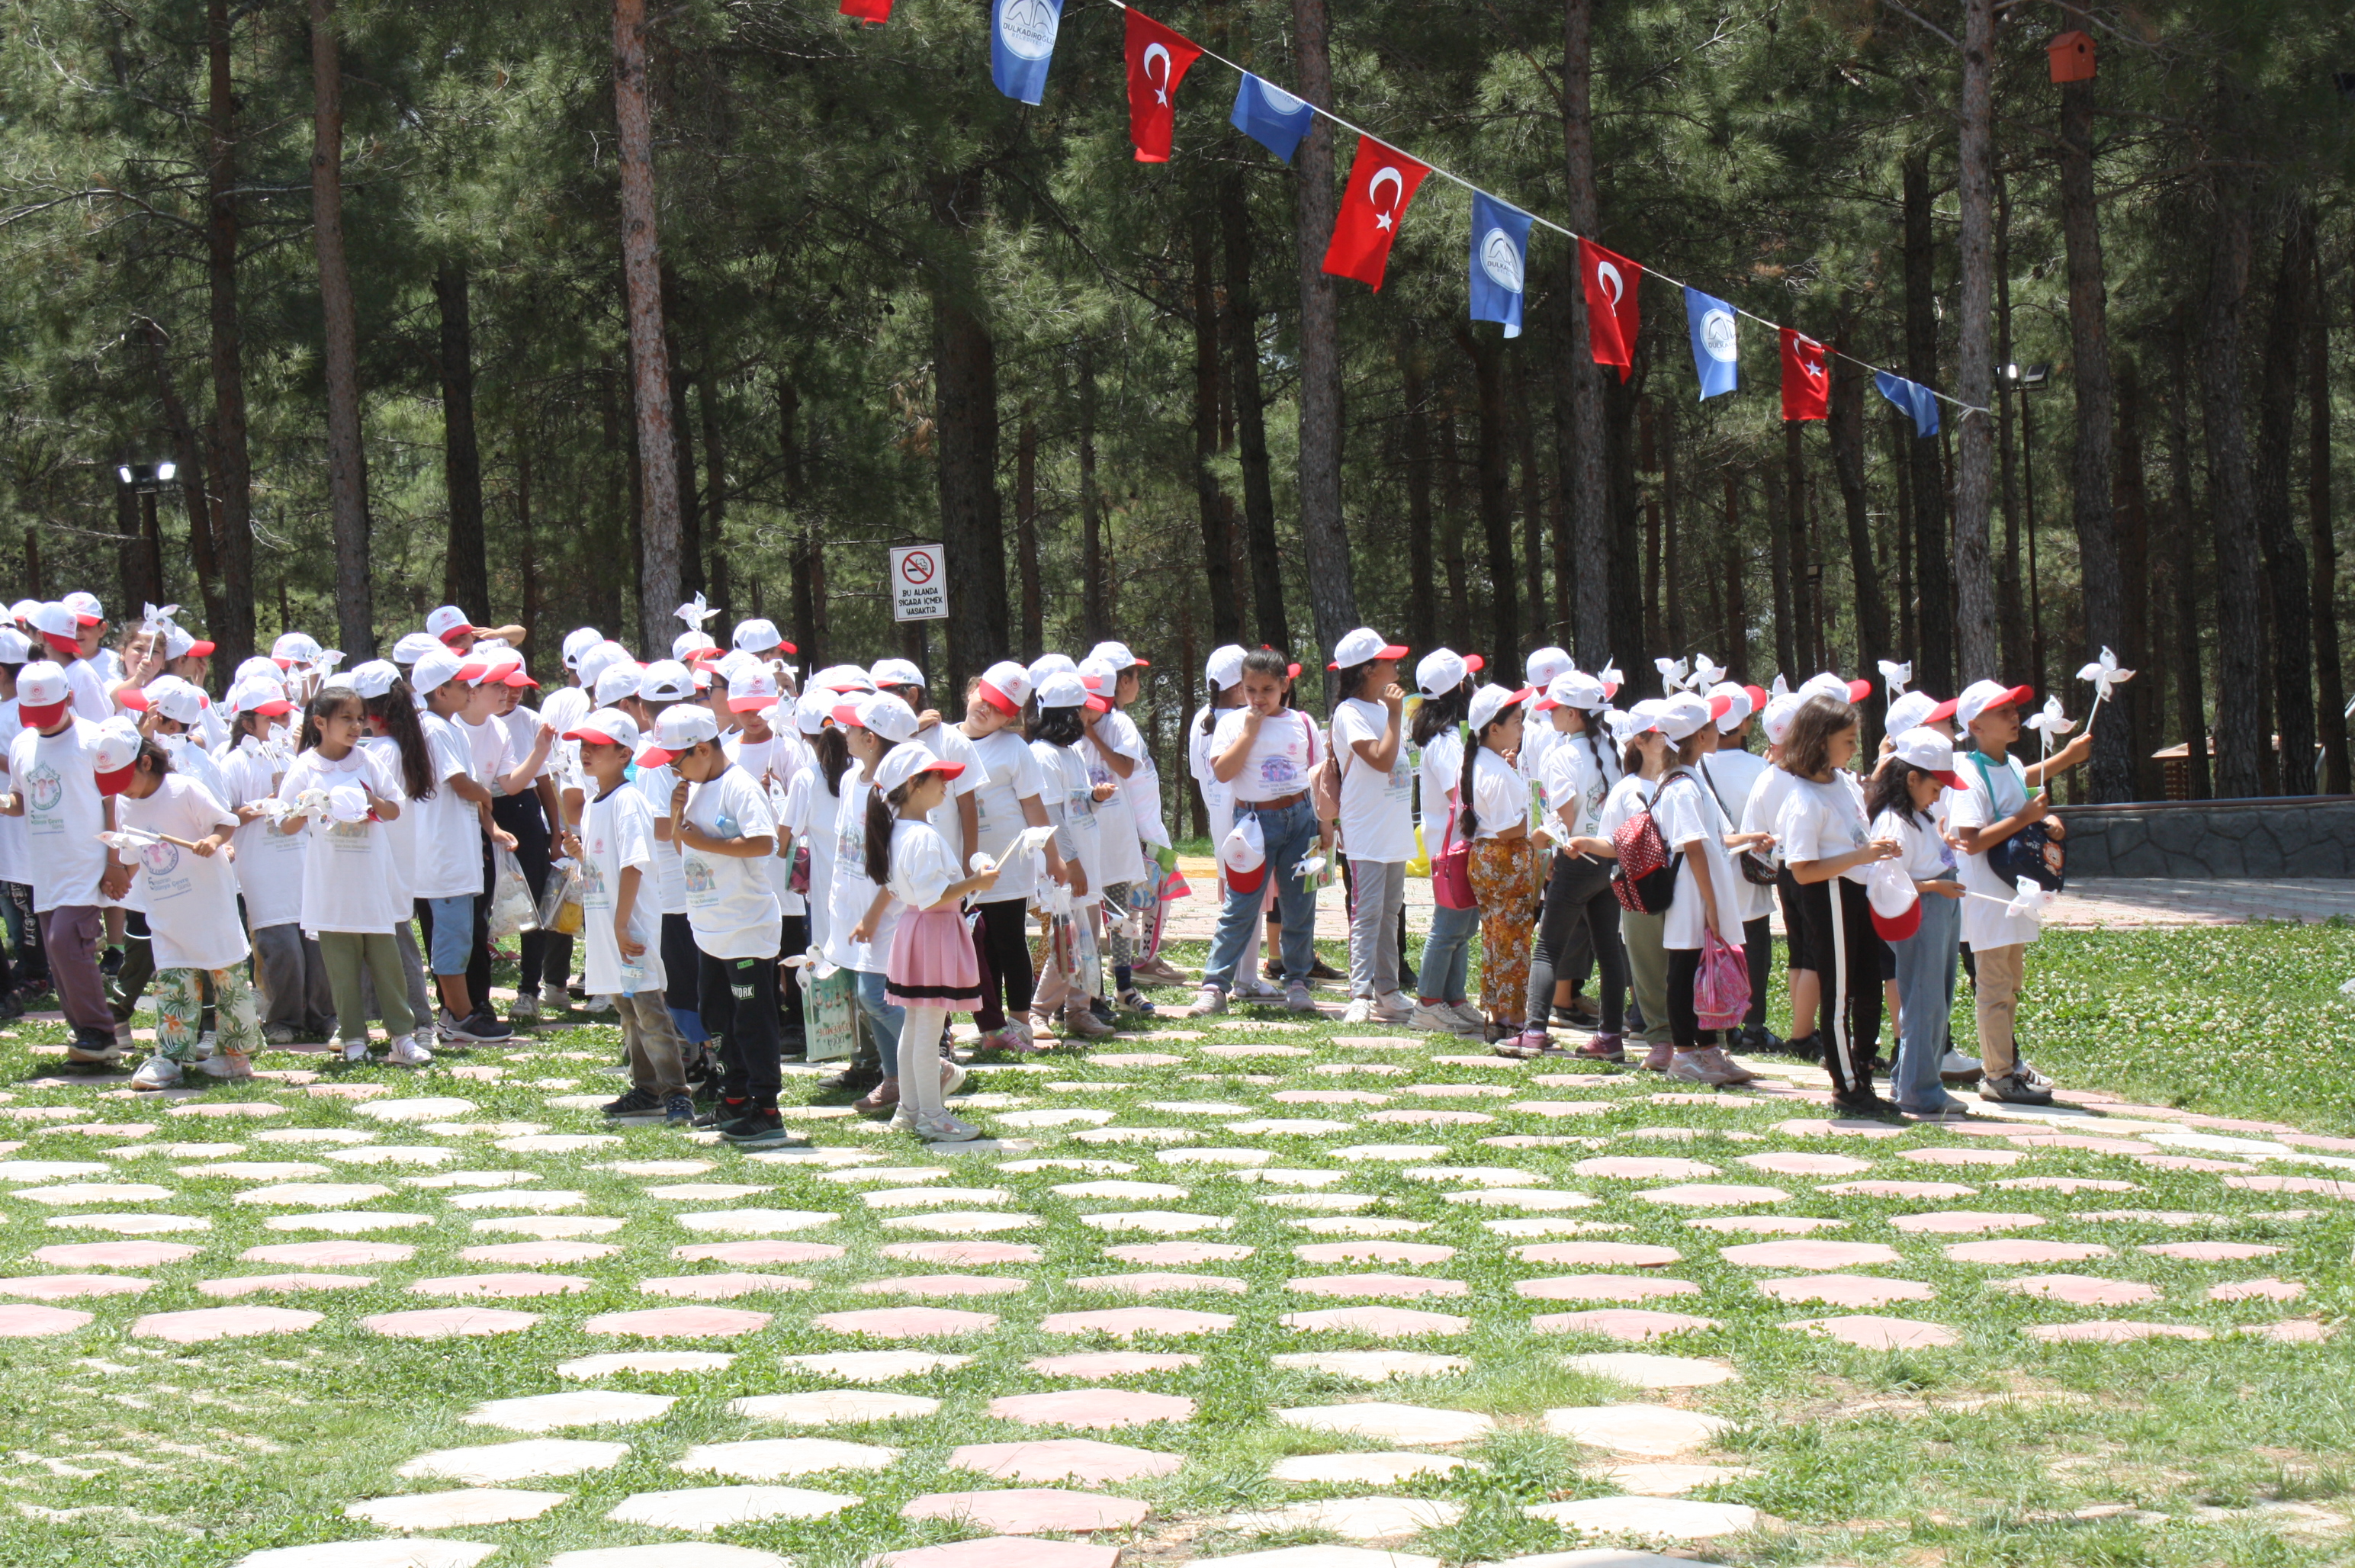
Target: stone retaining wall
pixel 2309 835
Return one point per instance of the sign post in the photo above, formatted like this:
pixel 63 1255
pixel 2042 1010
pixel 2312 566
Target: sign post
pixel 920 589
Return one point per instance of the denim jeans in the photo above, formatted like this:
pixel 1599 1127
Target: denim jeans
pixel 1925 1004
pixel 883 1020
pixel 1447 954
pixel 1291 834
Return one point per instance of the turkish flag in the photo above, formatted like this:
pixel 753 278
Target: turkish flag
pixel 1383 180
pixel 867 10
pixel 1158 59
pixel 1610 305
pixel 1807 390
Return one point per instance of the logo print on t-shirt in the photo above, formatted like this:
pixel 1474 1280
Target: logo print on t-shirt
pixel 698 875
pixel 1278 771
pixel 44 788
pixel 160 858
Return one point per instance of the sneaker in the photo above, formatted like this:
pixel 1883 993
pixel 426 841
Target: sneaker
pixel 1393 1007
pixel 1724 1063
pixel 525 1008
pixel 1429 1019
pixel 449 1026
pixel 1361 1010
pixel 2014 1090
pixel 678 1111
pixel 1605 1047
pixel 1252 989
pixel 1865 1106
pixel 354 1051
pixel 1526 1043
pixel 1695 1067
pixel 1135 1002
pixel 903 1120
pixel 1581 1012
pixel 278 1034
pixel 1210 999
pixel 483 1026
pixel 157 1073
pixel 1658 1057
pixel 1103 1011
pixel 231 1066
pixel 554 998
pixel 722 1112
pixel 1956 1068
pixel 1468 1019
pixel 1297 999
pixel 2027 1071
pixel 1806 1047
pixel 1158 970
pixel 1081 1023
pixel 637 1106
pixel 1948 1109
pixel 757 1129
pixel 1321 970
pixel 945 1129
pixel 879 1100
pixel 953 1077
pixel 1757 1039
pixel 408 1052
pixel 206 1044
pixel 855 1078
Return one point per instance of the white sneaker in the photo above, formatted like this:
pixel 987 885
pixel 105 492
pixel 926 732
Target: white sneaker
pixel 1468 1019
pixel 226 1064
pixel 903 1120
pixel 206 1044
pixel 157 1073
pixel 525 1008
pixel 943 1129
pixel 1298 998
pixel 1252 988
pixel 355 1049
pixel 1956 1068
pixel 554 998
pixel 407 1052
pixel 953 1076
pixel 1361 1010
pixel 1694 1067
pixel 1432 1020
pixel 1393 1007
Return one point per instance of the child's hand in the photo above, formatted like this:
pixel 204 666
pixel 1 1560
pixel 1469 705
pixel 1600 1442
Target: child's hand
pixel 203 847
pixel 1394 696
pixel 502 838
pixel 115 882
pixel 1102 792
pixel 1943 888
pixel 984 880
pixel 864 930
pixel 630 947
pixel 677 800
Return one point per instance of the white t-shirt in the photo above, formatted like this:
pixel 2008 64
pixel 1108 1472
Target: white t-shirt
pixel 1069 795
pixel 1440 769
pixel 809 817
pixel 63 817
pixel 564 709
pixel 1631 794
pixel 1994 793
pixel 1377 808
pixel 1540 741
pixel 190 898
pixel 1763 810
pixel 448 839
pixel 730 900
pixel 268 863
pixel 617 832
pixel 1282 754
pixel 15 860
pixel 1927 856
pixel 348 878
pixel 1216 796
pixel 1735 774
pixel 486 749
pixel 89 688
pixel 922 866
pixel 1824 821
pixel 947 743
pixel 849 892
pixel 658 785
pixel 1120 853
pixel 1576 784
pixel 1499 797
pixel 402 829
pixel 1012 775
pixel 1691 824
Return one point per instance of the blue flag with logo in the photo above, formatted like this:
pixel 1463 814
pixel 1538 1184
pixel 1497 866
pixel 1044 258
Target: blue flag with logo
pixel 1022 45
pixel 1914 399
pixel 1711 321
pixel 1271 116
pixel 1500 257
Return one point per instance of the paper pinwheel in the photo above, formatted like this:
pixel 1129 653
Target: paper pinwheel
pixel 1706 672
pixel 154 618
pixel 1898 676
pixel 1612 678
pixel 1672 674
pixel 695 613
pixel 2105 674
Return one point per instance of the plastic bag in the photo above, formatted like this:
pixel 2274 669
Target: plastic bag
pixel 559 905
pixel 1721 986
pixel 513 909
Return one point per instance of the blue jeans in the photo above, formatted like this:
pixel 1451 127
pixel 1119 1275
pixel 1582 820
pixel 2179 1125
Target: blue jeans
pixel 882 1019
pixel 1291 834
pixel 1926 1001
pixel 453 937
pixel 1447 954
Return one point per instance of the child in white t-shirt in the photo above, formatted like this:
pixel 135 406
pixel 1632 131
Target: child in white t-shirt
pixel 1368 744
pixel 1009 800
pixel 1443 681
pixel 1580 921
pixel 1495 814
pixel 190 900
pixel 1266 752
pixel 1071 797
pixel 1906 799
pixel 1706 906
pixel 269 866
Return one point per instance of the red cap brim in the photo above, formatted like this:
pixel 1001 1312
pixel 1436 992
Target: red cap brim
pixel 519 678
pixel 998 699
pixel 697 655
pixel 789 647
pixel 61 644
pixel 1719 707
pixel 1474 663
pixel 656 757
pixel 1757 698
pixel 1951 779
pixel 82 620
pixel 274 709
pixel 1292 672
pixel 455 632
pixel 596 737
pixel 947 770
pixel 197 651
pixel 281 663
pixel 1858 690
pixel 119 780
pixel 846 714
pixel 1898 927
pixel 42 717
pixel 1944 712
pixel 131 697
pixel 750 704
pixel 1244 881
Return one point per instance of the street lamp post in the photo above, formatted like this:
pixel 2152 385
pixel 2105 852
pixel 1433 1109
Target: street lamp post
pixel 146 481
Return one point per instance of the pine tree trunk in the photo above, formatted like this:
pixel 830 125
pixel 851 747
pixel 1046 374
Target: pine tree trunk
pixel 232 465
pixel 1422 604
pixel 1847 397
pixel 1901 433
pixel 1095 625
pixel 188 452
pixel 2289 583
pixel 346 459
pixel 1975 615
pixel 1778 551
pixel 1324 536
pixel 1250 417
pixel 1451 532
pixel 1737 576
pixel 1493 466
pixel 802 531
pixel 2329 686
pixel 1026 536
pixel 682 430
pixel 2183 554
pixel 973 529
pixel 1218 534
pixel 1671 562
pixel 714 498
pixel 1934 665
pixel 2239 626
pixel 657 513
pixel 1625 619
pixel 2009 613
pixel 1647 460
pixel 2145 696
pixel 1525 433
pixel 465 577
pixel 1588 479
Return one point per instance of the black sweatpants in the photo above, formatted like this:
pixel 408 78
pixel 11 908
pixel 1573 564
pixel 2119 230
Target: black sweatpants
pixel 1758 952
pixel 1005 954
pixel 1580 913
pixel 740 1007
pixel 1684 1018
pixel 792 939
pixel 1848 963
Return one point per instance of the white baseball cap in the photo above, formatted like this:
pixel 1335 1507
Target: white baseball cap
pixel 59 626
pixel 1908 711
pixel 1642 717
pixel 42 694
pixel 600 658
pixel 433 670
pixel 1924 748
pixel 22 610
pixel 179 643
pixel 905 762
pixel 678 730
pixel 169 696
pixel 1005 686
pixel 1443 669
pixel 1737 700
pixel 1684 715
pixel 116 753
pixel 1242 855
pixel 1225 667
pixel 687 643
pixel 1062 689
pixel 578 641
pixel 758 635
pixel 1780 709
pixel 86 608
pixel 295 648
pixel 607 727
pixel 448 621
pixel 1489 701
pixel 883 713
pixel 616 681
pixel 1573 689
pixel 667 680
pixel 255 695
pixel 1362 647
pixel 1982 694
pixel 754 689
pixel 895 672
pixel 1545 665
pixel 15 646
pixel 1046 665
pixel 1839 690
pixel 811 710
pixel 842 677
pixel 373 679
pixel 415 646
pixel 1117 656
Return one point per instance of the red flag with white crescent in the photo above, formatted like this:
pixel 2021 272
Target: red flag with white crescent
pixel 1807 390
pixel 1383 180
pixel 867 10
pixel 1158 59
pixel 1611 317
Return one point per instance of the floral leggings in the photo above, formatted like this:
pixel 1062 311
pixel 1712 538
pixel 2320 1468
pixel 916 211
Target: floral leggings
pixel 179 1003
pixel 1508 881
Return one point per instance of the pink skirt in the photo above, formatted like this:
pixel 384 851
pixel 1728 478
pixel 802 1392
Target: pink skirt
pixel 931 963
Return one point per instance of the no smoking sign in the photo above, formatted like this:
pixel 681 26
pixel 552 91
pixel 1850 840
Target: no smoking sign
pixel 920 589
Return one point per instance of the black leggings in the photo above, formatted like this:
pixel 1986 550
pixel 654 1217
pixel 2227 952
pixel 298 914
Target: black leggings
pixel 1848 1014
pixel 1581 914
pixel 1684 1020
pixel 1005 954
pixel 1758 950
pixel 793 940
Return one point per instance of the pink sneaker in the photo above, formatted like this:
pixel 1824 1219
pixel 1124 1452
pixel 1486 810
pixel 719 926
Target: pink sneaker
pixel 1656 1059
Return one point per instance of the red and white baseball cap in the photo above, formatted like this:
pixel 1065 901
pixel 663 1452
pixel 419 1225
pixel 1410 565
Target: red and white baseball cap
pixel 1839 690
pixel 42 694
pixel 883 713
pixel 15 646
pixel 618 680
pixel 1242 855
pixel 1116 655
pixel 1982 694
pixel 678 731
pixel 1491 700
pixel 897 672
pixel 1573 689
pixel 1738 705
pixel 115 755
pixel 167 695
pixel 607 727
pixel 752 687
pixel 180 643
pixel 1684 715
pixel 86 608
pixel 578 641
pixel 667 680
pixel 295 648
pixel 1443 669
pixel 1005 686
pixel 1896 905
pixel 1545 665
pixel 1360 647
pixel 435 670
pixel 372 678
pixel 905 762
pixel 760 636
pixel 255 695
pixel 59 627
pixel 449 623
pixel 1925 749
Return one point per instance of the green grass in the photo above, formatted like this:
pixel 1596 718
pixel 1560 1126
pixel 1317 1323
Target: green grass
pixel 115 1450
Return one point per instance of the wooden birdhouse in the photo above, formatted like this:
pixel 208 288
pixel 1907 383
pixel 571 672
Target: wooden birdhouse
pixel 2072 57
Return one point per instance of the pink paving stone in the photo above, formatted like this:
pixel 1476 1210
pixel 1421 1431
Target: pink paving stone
pixel 907 1322
pixel 1962 1156
pixel 1099 1409
pixel 1919 1189
pixel 115 1254
pixel 1819 1128
pixel 945 1284
pixel 2113 1331
pixel 2209 1252
pixel 1375 1251
pixel 1177 1255
pixel 1963 1223
pixel 501 1286
pixel 1156 1283
pixel 221 1323
pixel 1808 1255
pixel 1632 1324
pixel 678 1323
pixel 23 1320
pixel 1097 1366
pixel 762 1252
pixel 1603 1288
pixel 1846 1290
pixel 442 1322
pixel 67 1286
pixel 1799 1163
pixel 1030 1510
pixel 1599 1254
pixel 2288 1331
pixel 2079 1290
pixel 240 1284
pixel 2266 1289
pixel 530 1253
pixel 1128 1322
pixel 1879 1333
pixel 329 1254
pixel 1766 1225
pixel 719 1286
pixel 2025 1250
pixel 2191 1162
pixel 1081 1459
pixel 959 1254
pixel 1634 1168
pixel 2324 1185
pixel 1376 1287
pixel 1005 1551
pixel 2063 1184
pixel 1375 1322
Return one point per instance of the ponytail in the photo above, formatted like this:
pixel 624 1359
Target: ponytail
pixel 833 749
pixel 1466 814
pixel 882 816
